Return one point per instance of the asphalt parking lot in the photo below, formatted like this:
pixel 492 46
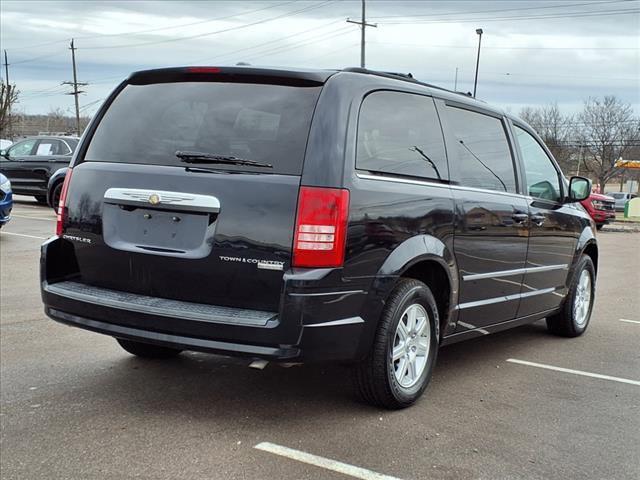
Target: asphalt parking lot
pixel 74 405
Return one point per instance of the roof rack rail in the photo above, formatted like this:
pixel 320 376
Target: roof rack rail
pixel 407 77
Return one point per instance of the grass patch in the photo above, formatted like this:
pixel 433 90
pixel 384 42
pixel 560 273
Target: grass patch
pixel 620 218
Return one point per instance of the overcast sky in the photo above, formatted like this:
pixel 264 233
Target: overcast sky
pixel 533 52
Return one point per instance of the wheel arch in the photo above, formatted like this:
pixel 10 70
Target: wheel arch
pixel 54 180
pixel 425 258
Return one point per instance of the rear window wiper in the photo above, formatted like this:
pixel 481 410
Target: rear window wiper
pixel 202 157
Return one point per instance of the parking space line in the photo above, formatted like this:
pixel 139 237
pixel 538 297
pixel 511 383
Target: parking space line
pixel 23 235
pixel 575 372
pixel 629 321
pixel 33 218
pixel 326 463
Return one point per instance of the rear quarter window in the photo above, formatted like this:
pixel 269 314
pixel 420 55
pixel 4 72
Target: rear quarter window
pixel 148 123
pixel 399 133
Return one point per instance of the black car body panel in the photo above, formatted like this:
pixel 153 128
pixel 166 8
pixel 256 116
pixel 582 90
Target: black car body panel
pixel 498 258
pixel 31 168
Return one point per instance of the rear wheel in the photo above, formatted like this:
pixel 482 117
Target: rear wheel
pixel 55 196
pixel 147 350
pixel 400 363
pixel 41 199
pixel 574 317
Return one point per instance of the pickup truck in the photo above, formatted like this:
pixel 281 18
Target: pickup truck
pixel 601 208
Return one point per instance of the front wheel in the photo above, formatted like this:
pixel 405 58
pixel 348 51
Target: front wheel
pixel 573 319
pixel 398 368
pixel 146 350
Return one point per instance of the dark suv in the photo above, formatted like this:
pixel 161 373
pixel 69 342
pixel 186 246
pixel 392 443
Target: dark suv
pixel 295 216
pixel 30 163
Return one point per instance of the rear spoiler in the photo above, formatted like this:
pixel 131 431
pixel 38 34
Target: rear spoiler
pixel 231 74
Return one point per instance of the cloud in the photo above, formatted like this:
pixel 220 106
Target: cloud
pixel 563 54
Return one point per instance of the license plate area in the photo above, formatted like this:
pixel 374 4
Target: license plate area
pixel 157 231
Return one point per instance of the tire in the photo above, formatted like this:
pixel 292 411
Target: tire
pixel 573 320
pixel 55 196
pixel 376 377
pixel 146 350
pixel 599 226
pixel 41 199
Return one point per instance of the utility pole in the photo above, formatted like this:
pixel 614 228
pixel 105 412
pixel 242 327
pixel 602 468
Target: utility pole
pixel 363 25
pixel 455 82
pixel 75 84
pixel 6 77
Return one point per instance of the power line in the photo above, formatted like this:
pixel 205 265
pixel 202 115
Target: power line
pixel 517 18
pixel 503 9
pixel 206 34
pixel 157 29
pixel 277 40
pixel 501 47
pixel 309 41
pixel 172 27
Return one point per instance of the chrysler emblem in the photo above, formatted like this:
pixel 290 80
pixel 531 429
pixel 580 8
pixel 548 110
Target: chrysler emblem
pixel 154 199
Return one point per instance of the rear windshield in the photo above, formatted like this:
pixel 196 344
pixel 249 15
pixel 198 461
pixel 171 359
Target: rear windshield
pixel 265 123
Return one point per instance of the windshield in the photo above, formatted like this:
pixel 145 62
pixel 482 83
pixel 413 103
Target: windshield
pixel 618 196
pixel 262 123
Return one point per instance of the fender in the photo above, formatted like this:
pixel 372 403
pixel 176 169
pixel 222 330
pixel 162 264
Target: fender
pixel 412 251
pixel 586 239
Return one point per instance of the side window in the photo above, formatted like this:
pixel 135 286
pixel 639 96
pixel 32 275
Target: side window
pixel 22 149
pixel 399 133
pixel 484 156
pixel 47 147
pixel 542 177
pixel 63 148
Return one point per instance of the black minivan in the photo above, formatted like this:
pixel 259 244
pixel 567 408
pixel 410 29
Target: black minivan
pixel 297 216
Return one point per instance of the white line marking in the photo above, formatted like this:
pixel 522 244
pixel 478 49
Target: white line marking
pixel 326 463
pixel 629 321
pixel 34 218
pixel 575 372
pixel 23 235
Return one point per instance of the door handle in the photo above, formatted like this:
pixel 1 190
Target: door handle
pixel 538 219
pixel 520 218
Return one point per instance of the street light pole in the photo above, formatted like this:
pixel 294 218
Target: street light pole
pixel 475 83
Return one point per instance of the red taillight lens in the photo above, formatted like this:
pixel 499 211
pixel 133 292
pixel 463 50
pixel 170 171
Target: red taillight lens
pixel 321 227
pixel 203 70
pixel 62 209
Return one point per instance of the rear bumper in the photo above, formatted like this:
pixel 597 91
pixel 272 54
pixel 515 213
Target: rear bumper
pixel 319 319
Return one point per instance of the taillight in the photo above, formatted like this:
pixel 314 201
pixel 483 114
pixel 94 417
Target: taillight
pixel 321 227
pixel 62 208
pixel 203 70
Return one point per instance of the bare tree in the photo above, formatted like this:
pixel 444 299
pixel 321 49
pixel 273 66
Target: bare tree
pixel 57 121
pixel 8 98
pixel 607 130
pixel 555 130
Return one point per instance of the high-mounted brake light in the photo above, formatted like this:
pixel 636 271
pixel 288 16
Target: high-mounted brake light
pixel 62 208
pixel 203 70
pixel 321 227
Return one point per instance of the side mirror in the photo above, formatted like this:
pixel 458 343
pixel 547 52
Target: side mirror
pixel 579 189
pixel 5 154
